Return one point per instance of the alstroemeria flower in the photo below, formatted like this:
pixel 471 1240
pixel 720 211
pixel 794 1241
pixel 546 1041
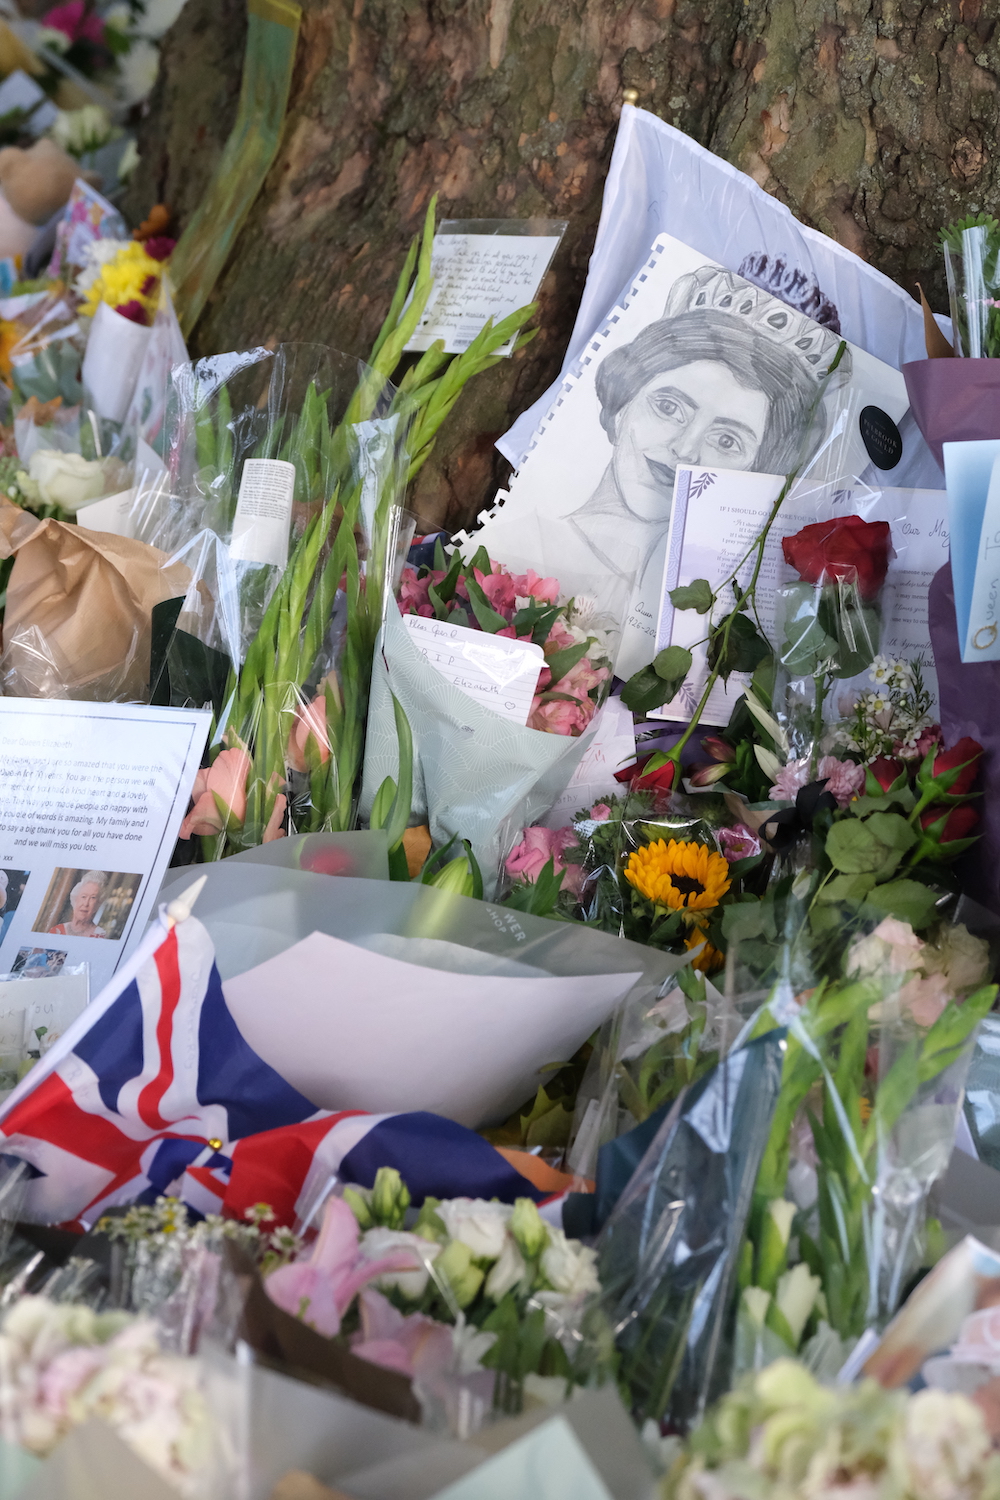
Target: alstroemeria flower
pixel 219 795
pixel 529 585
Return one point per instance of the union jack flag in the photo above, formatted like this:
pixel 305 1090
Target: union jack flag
pixel 153 1090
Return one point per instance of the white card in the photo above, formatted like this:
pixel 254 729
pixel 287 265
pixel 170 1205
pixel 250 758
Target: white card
pixel 112 360
pixel 715 517
pixel 91 800
pixel 496 671
pixel 982 640
pixel 476 277
pixel 263 512
pixel 114 514
pixel 611 750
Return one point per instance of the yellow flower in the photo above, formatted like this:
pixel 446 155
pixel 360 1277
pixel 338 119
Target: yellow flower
pixel 683 876
pixel 709 959
pixel 133 276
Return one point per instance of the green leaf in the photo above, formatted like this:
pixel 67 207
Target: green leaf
pixel 846 888
pixel 538 897
pixel 483 610
pixel 697 596
pixel 645 691
pixel 872 845
pixel 672 665
pixel 561 662
pixel 906 899
pixel 745 650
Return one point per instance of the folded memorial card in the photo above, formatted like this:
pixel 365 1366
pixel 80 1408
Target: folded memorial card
pixel 972 472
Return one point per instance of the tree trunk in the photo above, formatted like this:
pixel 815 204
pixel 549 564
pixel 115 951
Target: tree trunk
pixel 872 119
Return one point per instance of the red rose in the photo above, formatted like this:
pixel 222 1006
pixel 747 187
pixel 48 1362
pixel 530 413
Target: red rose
pixel 962 821
pixel 661 779
pixel 886 771
pixel 946 760
pixel 842 548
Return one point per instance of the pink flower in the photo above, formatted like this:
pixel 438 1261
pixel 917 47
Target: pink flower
pixel 413 598
pixel 134 312
pixel 410 1343
pixel 600 812
pixel 559 638
pixel 309 741
pixel 527 859
pixel 844 778
pixel 924 999
pixel 498 587
pixel 219 795
pixel 319 1290
pixel 739 842
pixel 274 830
pixel 580 679
pixel 63 1377
pixel 73 21
pixel 560 716
pixel 530 586
pixel 978 1340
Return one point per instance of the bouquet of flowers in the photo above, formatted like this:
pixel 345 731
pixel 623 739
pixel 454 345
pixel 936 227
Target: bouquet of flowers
pixel 478 1302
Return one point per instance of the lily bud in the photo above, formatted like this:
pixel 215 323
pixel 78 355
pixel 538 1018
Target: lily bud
pixel 796 1298
pixel 775 1232
pixel 390 1198
pixel 718 749
pixel 456 876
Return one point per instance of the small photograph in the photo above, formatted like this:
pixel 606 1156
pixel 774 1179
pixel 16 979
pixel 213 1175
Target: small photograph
pixel 38 963
pixel 87 903
pixel 12 883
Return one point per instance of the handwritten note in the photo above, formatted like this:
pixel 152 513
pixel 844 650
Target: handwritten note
pixel 611 750
pixel 476 277
pixel 497 672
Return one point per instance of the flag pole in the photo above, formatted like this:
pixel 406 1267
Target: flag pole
pixel 167 919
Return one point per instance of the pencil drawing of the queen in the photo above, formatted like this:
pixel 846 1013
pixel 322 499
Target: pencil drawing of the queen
pixel 725 378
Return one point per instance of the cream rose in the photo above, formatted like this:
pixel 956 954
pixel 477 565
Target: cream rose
pixel 66 479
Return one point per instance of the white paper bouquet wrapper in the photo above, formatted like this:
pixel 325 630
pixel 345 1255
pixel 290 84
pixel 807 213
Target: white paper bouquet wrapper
pixel 475 773
pixel 116 348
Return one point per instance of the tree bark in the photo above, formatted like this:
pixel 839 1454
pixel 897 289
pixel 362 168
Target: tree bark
pixel 873 120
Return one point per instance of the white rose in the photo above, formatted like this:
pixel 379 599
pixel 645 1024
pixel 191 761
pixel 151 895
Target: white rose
pixel 568 1266
pixel 66 479
pixel 480 1225
pixel 375 1243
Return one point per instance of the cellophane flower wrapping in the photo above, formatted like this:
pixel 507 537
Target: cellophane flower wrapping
pixel 880 1028
pixel 477 774
pixel 668 1256
pixel 277 628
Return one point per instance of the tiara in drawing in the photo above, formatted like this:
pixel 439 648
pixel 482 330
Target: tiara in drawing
pixel 711 288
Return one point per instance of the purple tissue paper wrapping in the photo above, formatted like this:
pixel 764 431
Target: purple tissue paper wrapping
pixel 954 400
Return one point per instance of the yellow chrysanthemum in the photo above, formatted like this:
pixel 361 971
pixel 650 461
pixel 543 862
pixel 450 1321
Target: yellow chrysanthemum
pixel 133 276
pixel 709 959
pixel 683 876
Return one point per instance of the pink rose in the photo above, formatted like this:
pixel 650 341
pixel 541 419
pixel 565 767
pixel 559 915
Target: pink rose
pixel 600 812
pixel 739 842
pixel 527 860
pixel 561 716
pixel 924 999
pixel 309 741
pixel 219 795
pixel 530 586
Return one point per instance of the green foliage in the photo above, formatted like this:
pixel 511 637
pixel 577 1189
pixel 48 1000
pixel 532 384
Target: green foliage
pixel 697 596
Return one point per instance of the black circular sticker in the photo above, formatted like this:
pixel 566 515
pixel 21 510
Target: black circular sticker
pixel 880 436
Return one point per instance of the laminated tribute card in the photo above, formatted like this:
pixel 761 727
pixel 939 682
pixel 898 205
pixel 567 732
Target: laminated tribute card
pixel 698 366
pixel 717 514
pixel 972 471
pixel 91 799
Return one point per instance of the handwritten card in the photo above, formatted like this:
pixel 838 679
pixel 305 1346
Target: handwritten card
pixel 496 671
pixel 611 749
pixel 477 277
pixel 715 518
pixel 91 799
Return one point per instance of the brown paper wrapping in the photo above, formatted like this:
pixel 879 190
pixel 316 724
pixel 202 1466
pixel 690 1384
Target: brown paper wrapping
pixel 77 623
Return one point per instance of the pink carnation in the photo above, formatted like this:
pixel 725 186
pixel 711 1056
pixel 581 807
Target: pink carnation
pixel 844 779
pixel 600 812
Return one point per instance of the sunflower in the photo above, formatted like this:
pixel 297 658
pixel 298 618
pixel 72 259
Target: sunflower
pixel 709 959
pixel 683 876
